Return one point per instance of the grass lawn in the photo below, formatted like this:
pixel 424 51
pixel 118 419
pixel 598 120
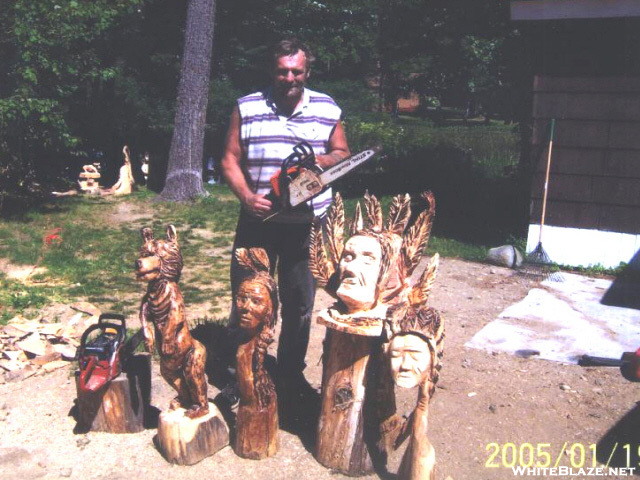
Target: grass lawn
pixel 84 248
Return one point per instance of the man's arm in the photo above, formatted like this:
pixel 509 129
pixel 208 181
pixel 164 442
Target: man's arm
pixel 338 148
pixel 254 203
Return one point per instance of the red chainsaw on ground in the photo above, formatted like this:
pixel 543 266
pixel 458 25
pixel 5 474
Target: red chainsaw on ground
pixel 103 352
pixel 629 364
pixel 300 179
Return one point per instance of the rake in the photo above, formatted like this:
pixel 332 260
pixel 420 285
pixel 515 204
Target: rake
pixel 537 264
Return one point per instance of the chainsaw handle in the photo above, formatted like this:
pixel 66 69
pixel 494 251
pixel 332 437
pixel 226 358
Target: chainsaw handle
pixel 113 316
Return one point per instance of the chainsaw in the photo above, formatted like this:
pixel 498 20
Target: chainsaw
pixel 629 364
pixel 103 352
pixel 300 179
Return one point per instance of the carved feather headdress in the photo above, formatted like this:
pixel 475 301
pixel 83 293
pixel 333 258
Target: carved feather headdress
pixel 402 247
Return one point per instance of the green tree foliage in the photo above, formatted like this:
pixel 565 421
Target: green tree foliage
pixel 82 77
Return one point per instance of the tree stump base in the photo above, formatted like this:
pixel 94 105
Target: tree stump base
pixel 256 432
pixel 120 406
pixel 341 443
pixel 186 441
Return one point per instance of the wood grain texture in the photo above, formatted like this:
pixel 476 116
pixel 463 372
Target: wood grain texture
pixel 121 405
pixel 186 441
pixel 341 443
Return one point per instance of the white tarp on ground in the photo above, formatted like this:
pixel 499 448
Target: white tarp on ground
pixel 561 321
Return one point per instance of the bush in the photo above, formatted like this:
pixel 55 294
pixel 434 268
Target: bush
pixel 472 172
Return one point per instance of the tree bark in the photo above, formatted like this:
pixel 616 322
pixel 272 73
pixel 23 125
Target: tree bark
pixel 120 406
pixel 184 171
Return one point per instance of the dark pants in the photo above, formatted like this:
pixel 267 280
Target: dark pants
pixel 287 245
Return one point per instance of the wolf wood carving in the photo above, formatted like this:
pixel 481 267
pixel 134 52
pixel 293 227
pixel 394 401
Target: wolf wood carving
pixel 369 275
pixel 162 314
pixel 256 303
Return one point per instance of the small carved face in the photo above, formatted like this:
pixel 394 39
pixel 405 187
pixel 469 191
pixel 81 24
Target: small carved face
pixel 359 271
pixel 253 305
pixel 410 360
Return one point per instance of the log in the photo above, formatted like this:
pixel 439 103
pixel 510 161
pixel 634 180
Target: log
pixel 121 405
pixel 186 441
pixel 341 444
pixel 256 431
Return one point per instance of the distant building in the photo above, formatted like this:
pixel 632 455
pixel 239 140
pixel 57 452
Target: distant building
pixel 585 59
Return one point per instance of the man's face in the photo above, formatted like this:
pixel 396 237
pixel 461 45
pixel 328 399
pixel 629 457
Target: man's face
pixel 359 270
pixel 253 305
pixel 290 75
pixel 410 360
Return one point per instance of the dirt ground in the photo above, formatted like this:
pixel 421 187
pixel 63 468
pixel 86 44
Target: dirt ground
pixel 524 406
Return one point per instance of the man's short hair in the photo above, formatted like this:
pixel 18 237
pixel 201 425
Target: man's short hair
pixel 290 46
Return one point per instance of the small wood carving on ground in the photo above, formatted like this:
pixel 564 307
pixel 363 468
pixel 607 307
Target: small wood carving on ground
pixel 125 183
pixel 256 303
pixel 88 180
pixel 369 275
pixel 162 314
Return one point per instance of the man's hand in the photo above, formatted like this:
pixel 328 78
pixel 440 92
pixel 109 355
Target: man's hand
pixel 257 205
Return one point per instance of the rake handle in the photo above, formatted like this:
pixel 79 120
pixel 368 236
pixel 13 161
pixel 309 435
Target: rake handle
pixel 546 180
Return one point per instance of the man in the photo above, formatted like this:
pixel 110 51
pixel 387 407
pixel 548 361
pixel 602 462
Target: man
pixel 264 128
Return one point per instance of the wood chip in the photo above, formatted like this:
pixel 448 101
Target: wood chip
pixel 50 328
pixel 86 307
pixel 51 366
pixel 12 365
pixel 68 352
pixel 15 355
pixel 33 345
pixel 48 358
pixel 15 330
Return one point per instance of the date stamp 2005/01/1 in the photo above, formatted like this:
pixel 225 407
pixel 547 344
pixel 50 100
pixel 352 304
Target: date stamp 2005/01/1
pixel 573 455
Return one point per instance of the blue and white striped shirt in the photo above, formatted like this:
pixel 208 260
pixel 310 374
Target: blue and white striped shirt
pixel 268 136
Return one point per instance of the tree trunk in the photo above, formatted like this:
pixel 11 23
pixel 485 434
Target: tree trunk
pixel 184 172
pixel 120 406
pixel 341 444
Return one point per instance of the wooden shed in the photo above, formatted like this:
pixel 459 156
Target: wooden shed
pixel 585 57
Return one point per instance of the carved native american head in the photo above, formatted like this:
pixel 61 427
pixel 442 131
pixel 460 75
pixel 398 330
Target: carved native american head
pixel 375 264
pixel 257 297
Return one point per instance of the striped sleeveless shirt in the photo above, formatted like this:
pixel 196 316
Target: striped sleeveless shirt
pixel 267 137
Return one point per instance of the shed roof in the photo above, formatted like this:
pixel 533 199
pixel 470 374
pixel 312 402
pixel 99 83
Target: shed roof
pixel 573 9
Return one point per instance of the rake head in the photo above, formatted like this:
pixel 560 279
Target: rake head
pixel 538 266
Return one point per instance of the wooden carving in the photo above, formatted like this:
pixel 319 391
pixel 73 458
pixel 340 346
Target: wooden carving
pixel 162 314
pixel 88 180
pixel 124 185
pixel 369 275
pixel 415 350
pixel 256 303
pixel 371 270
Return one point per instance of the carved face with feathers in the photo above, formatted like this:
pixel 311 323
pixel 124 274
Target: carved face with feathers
pixel 375 264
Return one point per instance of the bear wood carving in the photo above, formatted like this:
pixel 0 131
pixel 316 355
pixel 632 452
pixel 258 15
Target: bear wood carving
pixel 162 314
pixel 256 303
pixel 368 274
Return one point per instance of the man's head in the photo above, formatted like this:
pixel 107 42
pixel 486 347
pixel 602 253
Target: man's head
pixel 291 65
